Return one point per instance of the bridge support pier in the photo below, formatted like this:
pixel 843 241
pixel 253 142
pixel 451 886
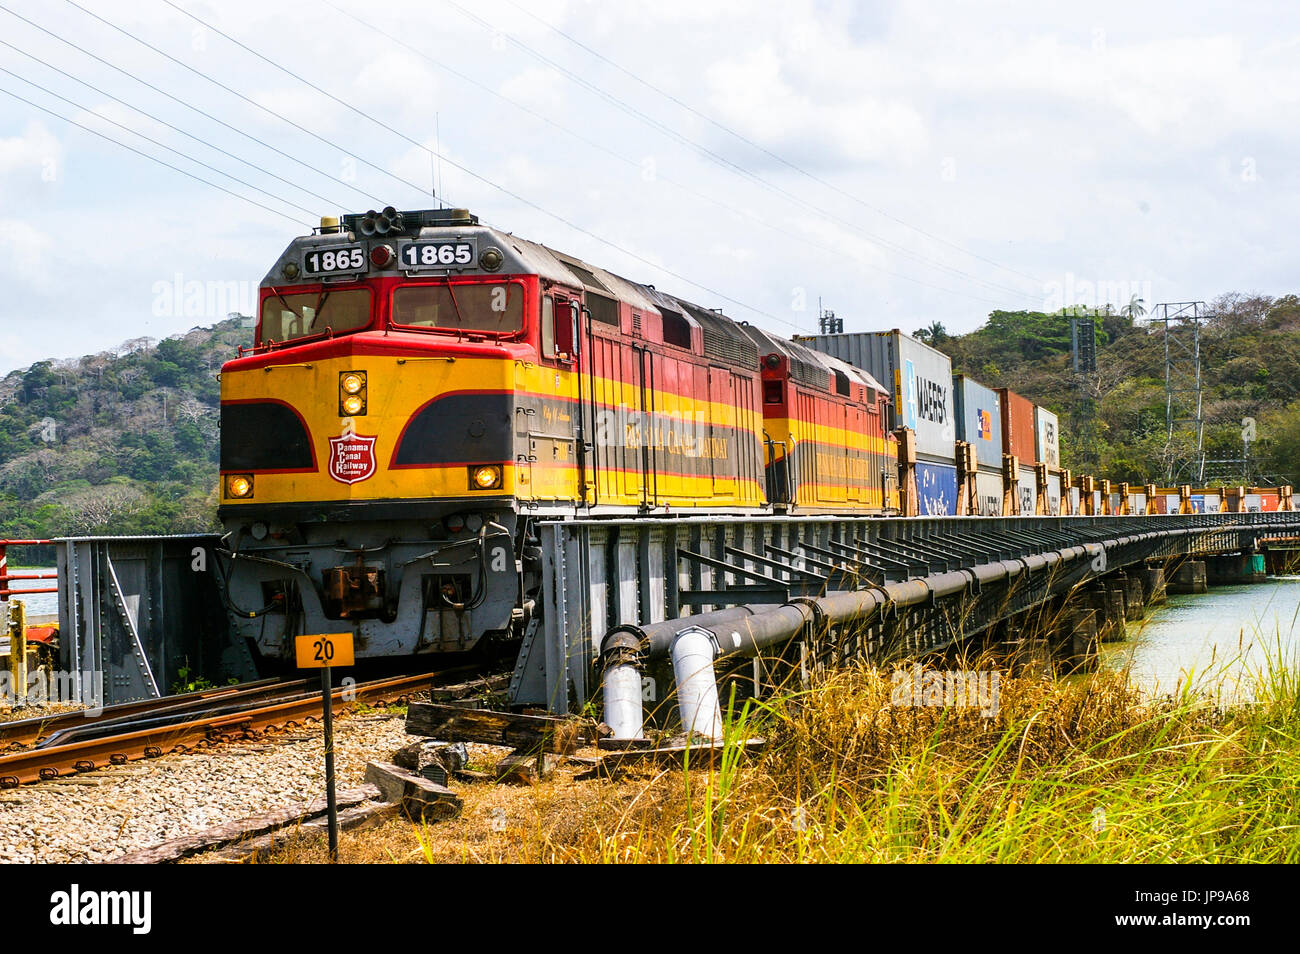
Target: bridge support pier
pixel 1108 601
pixel 1190 577
pixel 1134 598
pixel 1244 567
pixel 1153 585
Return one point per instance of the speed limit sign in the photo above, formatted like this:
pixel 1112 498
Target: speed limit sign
pixel 321 652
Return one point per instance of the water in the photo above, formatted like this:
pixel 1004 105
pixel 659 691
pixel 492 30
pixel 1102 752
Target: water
pixel 1217 640
pixel 38 604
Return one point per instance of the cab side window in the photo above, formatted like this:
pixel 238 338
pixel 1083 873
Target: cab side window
pixel 548 327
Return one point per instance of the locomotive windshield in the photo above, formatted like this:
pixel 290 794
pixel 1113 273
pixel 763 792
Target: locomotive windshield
pixel 285 317
pixel 461 307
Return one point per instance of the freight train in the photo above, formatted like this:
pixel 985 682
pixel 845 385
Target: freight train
pixel 424 389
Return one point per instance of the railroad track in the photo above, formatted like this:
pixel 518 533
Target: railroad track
pixel 70 743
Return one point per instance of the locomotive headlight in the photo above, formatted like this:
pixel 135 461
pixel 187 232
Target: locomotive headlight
pixel 352 393
pixel 487 477
pixel 239 486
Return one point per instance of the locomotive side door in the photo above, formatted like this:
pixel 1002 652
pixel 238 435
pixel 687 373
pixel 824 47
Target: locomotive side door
pixel 723 420
pixel 557 433
pixel 650 435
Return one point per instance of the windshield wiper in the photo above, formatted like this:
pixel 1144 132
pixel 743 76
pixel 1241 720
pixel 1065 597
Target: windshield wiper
pixel 323 297
pixel 460 319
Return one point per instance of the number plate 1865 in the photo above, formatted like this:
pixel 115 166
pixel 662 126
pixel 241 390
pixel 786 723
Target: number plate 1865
pixel 317 652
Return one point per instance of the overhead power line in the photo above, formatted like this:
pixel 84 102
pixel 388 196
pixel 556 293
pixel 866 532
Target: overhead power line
pixel 155 142
pixel 723 161
pixel 190 106
pixel 740 214
pixel 759 147
pixel 368 116
pixel 146 155
pixel 163 122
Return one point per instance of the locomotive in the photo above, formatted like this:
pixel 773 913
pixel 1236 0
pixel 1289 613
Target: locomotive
pixel 424 389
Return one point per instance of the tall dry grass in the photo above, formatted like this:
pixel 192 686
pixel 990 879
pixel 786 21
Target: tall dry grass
pixel 1079 769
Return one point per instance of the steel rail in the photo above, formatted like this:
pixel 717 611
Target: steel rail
pixel 34 765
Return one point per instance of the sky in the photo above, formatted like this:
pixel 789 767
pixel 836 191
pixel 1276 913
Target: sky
pixel 903 163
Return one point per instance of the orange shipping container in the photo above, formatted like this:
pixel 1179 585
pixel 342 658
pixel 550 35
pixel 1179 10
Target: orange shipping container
pixel 1018 435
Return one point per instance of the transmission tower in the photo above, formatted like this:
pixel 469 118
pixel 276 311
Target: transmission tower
pixel 1184 416
pixel 1083 350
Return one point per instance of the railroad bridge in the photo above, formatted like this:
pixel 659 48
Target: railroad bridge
pixel 620 593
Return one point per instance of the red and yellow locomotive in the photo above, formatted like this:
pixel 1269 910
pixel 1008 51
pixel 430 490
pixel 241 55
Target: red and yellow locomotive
pixel 423 389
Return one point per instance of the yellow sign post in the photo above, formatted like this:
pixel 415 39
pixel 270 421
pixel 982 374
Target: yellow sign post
pixel 324 652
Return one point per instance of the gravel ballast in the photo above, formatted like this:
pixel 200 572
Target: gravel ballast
pixel 119 809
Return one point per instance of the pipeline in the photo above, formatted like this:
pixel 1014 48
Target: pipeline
pixel 694 643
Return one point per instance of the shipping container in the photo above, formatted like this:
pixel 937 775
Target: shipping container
pixel 1140 502
pixel 1270 501
pixel 936 487
pixel 1017 425
pixel 919 376
pixel 979 419
pixel 1075 501
pixel 1053 495
pixel 1205 503
pixel 1027 492
pixel 988 488
pixel 1116 501
pixel 1172 503
pixel 1047 438
pixel 1096 502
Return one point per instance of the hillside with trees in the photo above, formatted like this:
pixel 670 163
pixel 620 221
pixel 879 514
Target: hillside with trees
pixel 121 442
pixel 126 442
pixel 1250 366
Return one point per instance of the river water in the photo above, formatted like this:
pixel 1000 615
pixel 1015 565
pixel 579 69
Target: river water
pixel 1219 641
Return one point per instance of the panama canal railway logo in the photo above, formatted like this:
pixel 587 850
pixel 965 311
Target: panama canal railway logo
pixel 352 457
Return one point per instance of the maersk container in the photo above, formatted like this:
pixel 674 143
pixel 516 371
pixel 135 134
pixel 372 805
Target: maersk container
pixel 920 377
pixel 1027 492
pixel 988 492
pixel 979 419
pixel 936 489
pixel 1017 425
pixel 1053 495
pixel 1047 438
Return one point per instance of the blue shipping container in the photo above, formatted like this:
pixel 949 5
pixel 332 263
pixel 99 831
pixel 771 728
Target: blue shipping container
pixel 936 489
pixel 979 419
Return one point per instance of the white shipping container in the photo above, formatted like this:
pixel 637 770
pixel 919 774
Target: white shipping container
pixel 1075 500
pixel 1053 495
pixel 1028 491
pixel 919 377
pixel 1047 438
pixel 988 488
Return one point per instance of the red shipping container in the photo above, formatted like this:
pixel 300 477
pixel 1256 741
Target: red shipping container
pixel 1018 436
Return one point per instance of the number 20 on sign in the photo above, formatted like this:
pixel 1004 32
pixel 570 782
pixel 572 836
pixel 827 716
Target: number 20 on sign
pixel 319 652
